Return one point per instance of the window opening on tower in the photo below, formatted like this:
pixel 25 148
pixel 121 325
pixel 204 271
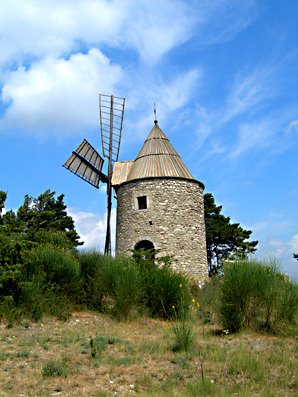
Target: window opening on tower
pixel 142 202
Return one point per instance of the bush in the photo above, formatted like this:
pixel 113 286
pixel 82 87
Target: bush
pixel 52 239
pixel 183 335
pixel 57 267
pixel 91 263
pixel 167 293
pixel 55 368
pixel 11 263
pixel 255 295
pixel 113 285
pixel 39 299
pixel 122 286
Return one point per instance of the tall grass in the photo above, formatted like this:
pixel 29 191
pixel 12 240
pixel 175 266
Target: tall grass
pixel 255 295
pixel 56 266
pixel 52 283
pixel 111 285
pixel 167 293
pixel 122 286
pixel 56 278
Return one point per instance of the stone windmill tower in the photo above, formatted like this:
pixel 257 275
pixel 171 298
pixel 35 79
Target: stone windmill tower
pixel 160 205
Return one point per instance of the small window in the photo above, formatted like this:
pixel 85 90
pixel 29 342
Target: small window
pixel 142 202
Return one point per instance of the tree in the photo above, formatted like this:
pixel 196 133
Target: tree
pixel 47 213
pixel 3 196
pixel 37 222
pixel 225 240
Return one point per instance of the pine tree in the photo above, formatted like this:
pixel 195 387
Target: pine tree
pixel 225 240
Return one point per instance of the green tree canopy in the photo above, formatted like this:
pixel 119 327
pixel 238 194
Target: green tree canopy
pixel 225 240
pixel 47 213
pixel 39 221
pixel 3 196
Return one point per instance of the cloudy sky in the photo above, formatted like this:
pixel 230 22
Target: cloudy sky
pixel 223 74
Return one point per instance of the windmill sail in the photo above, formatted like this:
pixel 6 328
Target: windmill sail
pixel 111 111
pixel 86 163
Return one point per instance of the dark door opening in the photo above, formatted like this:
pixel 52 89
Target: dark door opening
pixel 147 248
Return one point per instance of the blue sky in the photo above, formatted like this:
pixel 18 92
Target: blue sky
pixel 223 74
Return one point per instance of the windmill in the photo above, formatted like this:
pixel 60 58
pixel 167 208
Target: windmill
pixel 87 163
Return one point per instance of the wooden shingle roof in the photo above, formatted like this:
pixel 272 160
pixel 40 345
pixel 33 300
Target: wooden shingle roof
pixel 156 159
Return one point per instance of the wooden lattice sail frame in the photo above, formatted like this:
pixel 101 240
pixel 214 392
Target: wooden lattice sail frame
pixel 111 111
pixel 85 161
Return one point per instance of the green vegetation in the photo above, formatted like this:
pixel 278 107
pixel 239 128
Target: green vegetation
pixel 234 336
pixel 183 332
pixel 252 295
pixel 42 273
pixel 225 240
pixel 54 356
pixel 55 368
pixel 38 264
pixel 124 287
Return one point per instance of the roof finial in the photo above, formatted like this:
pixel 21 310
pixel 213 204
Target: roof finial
pixel 155 120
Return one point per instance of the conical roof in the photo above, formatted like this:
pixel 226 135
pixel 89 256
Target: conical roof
pixel 158 158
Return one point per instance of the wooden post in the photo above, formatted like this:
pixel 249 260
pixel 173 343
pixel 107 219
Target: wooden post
pixel 109 184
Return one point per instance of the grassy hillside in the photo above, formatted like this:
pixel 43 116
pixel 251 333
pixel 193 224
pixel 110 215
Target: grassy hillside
pixel 136 357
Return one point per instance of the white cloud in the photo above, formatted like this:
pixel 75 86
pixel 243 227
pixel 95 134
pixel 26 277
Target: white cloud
pixel 280 251
pixel 58 26
pixel 92 228
pixel 56 95
pixel 248 92
pixel 252 136
pixel 294 244
pixel 248 97
pixel 292 127
pixel 276 240
pixel 156 27
pixel 169 95
pixel 53 80
pixel 52 28
pixel 176 93
pixel 222 20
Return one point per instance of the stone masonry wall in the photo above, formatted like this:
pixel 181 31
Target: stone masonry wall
pixel 173 221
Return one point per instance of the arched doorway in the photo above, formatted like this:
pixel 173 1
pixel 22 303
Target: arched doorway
pixel 147 248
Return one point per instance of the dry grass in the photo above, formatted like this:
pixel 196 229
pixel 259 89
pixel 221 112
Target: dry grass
pixel 136 359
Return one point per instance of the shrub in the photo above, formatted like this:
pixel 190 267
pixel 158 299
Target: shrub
pixel 123 286
pixel 52 238
pixel 167 293
pixel 256 295
pixel 55 368
pixel 11 262
pixel 113 285
pixel 56 266
pixel 183 335
pixel 91 263
pixel 39 299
